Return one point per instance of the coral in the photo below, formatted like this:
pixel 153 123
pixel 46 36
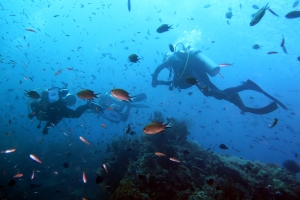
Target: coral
pixel 278 185
pixel 137 173
pixel 127 191
pixel 230 191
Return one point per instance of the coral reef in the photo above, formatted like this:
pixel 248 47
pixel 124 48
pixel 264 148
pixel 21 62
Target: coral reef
pixel 200 174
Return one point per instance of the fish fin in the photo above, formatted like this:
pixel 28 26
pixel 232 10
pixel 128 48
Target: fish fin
pixel 266 6
pixel 168 125
pixel 131 99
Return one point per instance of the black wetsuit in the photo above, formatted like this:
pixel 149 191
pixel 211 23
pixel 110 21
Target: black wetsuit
pixel 183 67
pixel 54 112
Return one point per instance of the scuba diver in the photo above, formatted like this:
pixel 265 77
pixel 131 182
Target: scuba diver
pixel 52 107
pixel 191 67
pixel 116 110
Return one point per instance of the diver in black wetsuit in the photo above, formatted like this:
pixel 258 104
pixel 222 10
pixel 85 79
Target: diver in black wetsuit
pixel 52 107
pixel 191 67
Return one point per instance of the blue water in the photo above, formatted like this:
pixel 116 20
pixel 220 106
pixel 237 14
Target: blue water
pixel 95 38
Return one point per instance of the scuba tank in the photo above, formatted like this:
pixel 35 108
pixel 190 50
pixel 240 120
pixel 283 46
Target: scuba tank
pixel 210 66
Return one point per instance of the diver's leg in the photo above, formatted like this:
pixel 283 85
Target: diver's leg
pixel 232 98
pixel 219 94
pixel 202 77
pixel 46 127
pixel 125 115
pixel 248 85
pixel 236 100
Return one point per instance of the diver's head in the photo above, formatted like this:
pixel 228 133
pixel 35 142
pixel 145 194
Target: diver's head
pixel 177 50
pixel 53 94
pixel 184 48
pixel 115 106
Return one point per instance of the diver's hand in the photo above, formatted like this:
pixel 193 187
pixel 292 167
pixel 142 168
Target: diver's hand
pixel 154 82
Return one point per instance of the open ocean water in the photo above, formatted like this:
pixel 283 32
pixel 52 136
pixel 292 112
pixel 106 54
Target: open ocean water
pixel 86 45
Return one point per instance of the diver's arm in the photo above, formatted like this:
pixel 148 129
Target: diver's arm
pixel 159 68
pixel 69 113
pixel 155 82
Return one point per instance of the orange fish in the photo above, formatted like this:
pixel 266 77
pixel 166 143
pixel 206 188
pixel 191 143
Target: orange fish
pixel 160 154
pixel 110 108
pixel 84 177
pixel 105 167
pixel 33 157
pixel 86 94
pixel 58 72
pixel 103 125
pixel 84 140
pixel 8 151
pixel 156 127
pixel 18 175
pixel 174 160
pixel 121 95
pixel 30 30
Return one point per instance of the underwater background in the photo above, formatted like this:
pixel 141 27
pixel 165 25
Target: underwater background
pixel 95 38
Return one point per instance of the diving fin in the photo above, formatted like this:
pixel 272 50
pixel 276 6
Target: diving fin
pixel 253 86
pixel 140 97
